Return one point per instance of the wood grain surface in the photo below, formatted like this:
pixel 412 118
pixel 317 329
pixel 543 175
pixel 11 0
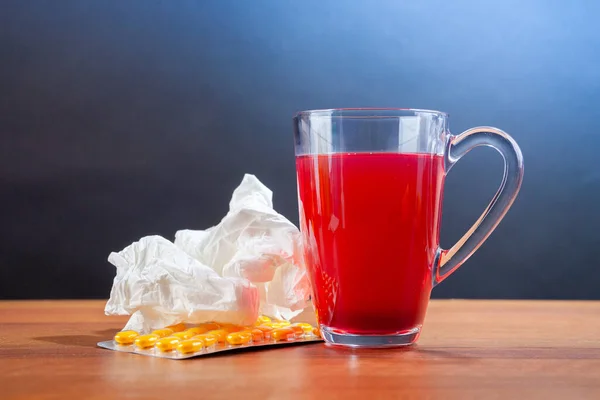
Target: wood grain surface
pixel 469 349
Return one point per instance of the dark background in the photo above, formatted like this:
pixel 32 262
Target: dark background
pixel 120 119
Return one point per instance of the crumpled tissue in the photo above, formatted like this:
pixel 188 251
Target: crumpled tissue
pixel 249 263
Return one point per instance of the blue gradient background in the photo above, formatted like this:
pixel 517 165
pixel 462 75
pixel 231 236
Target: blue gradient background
pixel 120 119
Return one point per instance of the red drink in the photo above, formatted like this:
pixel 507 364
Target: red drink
pixel 371 231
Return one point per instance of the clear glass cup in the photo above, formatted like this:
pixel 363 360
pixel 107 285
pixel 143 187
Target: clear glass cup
pixel 370 185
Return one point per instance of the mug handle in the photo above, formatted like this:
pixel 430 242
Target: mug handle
pixel 457 146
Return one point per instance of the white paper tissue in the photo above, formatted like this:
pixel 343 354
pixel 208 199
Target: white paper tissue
pixel 249 263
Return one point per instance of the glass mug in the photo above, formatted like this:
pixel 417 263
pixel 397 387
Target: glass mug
pixel 370 185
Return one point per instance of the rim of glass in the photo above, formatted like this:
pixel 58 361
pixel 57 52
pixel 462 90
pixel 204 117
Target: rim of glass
pixel 369 112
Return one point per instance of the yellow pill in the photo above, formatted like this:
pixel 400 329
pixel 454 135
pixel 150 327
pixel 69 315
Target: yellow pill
pixel 282 334
pixel 274 325
pixel 183 335
pixel 146 341
pixel 298 331
pixel 262 319
pixel 230 328
pixel 307 328
pixel 238 338
pixel 126 337
pixel 198 330
pixel 190 346
pixel 208 340
pixel 266 330
pixel 177 327
pixel 163 332
pixel 220 334
pixel 257 334
pixel 168 343
pixel 282 322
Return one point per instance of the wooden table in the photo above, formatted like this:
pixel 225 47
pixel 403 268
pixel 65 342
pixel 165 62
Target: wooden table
pixel 469 349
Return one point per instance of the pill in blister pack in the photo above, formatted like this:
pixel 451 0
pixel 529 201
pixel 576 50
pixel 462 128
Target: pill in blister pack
pixel 180 341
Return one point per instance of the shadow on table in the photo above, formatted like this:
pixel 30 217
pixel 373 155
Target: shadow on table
pixel 80 340
pixel 555 353
pixel 468 354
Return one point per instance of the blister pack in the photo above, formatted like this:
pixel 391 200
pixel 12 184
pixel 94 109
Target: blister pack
pixel 182 341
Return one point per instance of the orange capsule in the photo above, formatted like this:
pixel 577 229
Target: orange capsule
pixel 126 337
pixel 257 335
pixel 177 327
pixel 266 330
pixel 230 328
pixel 220 334
pixel 283 334
pixel 209 326
pixel 317 332
pixel 183 335
pixel 146 341
pixel 207 339
pixel 198 330
pixel 168 343
pixel 190 346
pixel 163 332
pixel 307 328
pixel 298 331
pixel 237 338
